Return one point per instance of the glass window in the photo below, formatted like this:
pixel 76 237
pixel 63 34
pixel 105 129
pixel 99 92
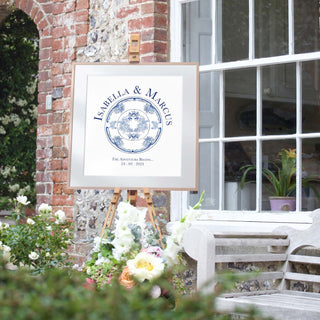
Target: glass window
pixel 259 97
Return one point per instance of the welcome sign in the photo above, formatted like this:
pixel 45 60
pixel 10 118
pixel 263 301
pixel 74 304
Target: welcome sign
pixel 134 126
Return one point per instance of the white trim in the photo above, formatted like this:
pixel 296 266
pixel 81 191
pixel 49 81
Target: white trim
pixel 291 26
pixel 261 62
pixel 299 132
pixel 258 141
pixel 251 30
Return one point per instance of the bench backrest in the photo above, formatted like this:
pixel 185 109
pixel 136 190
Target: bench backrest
pixel 209 245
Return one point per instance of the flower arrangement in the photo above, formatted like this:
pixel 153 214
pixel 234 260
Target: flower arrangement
pixel 283 180
pixel 133 253
pixel 38 244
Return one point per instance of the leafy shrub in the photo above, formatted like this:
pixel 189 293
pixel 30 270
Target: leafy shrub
pixel 59 295
pixel 40 243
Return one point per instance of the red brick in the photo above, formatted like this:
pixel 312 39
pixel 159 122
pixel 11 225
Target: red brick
pixel 44 199
pixel 62 200
pixel 161 34
pixel 126 11
pixel 47 7
pixel 161 7
pixel 29 6
pixel 59 176
pixel 82 28
pixel 45 86
pixel 81 16
pixel 40 188
pixel 58 32
pixel 34 12
pixel 57 188
pixel 161 21
pixel 42 119
pixel 44 64
pixel 135 24
pixel 42 24
pixel 23 4
pixel 57 141
pixel 60 104
pixel 148 22
pixel 67 190
pixel 40 165
pixel 44 53
pixel 45 43
pixel 57 44
pixel 38 17
pixel 57 69
pixel 81 41
pixel 56 164
pixel 160 47
pixel 65 164
pixel 61 128
pixel 62 80
pixel 82 4
pixel 44 130
pixel 134 1
pixel 147 47
pixel 59 152
pixel 147 8
pixel 41 143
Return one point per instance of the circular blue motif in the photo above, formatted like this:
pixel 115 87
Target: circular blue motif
pixel 133 125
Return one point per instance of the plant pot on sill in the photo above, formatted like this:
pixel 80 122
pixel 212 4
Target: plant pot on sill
pixel 282 203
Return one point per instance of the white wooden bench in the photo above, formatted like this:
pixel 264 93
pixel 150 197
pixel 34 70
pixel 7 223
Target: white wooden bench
pixel 210 244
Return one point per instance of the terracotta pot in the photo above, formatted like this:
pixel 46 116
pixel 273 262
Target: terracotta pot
pixel 282 203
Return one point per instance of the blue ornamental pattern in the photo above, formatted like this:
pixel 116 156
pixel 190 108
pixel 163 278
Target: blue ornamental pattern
pixel 133 125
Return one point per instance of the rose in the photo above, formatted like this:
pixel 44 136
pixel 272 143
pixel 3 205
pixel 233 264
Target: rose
pixel 33 255
pixel 23 200
pixel 60 216
pixel 30 221
pixel 45 208
pixel 125 279
pixel 145 266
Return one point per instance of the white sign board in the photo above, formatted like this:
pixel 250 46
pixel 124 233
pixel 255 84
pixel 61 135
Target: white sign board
pixel 134 126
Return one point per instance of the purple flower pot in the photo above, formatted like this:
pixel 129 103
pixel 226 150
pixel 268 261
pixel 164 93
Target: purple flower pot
pixel 283 203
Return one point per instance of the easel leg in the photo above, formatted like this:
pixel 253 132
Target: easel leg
pixel 152 213
pixel 111 210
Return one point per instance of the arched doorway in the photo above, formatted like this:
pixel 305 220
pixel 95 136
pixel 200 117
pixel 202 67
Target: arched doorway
pixel 19 51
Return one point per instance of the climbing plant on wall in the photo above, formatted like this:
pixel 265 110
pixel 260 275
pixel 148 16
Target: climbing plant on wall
pixel 18 107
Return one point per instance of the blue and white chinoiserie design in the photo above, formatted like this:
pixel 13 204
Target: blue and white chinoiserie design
pixel 133 125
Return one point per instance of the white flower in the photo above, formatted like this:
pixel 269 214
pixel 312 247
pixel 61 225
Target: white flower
pixel 45 208
pixel 33 255
pixel 23 200
pixel 2 130
pixel 30 221
pixel 170 253
pixel 49 228
pixel 4 226
pixel 6 252
pixel 145 266
pixel 47 254
pixel 60 216
pixel 14 188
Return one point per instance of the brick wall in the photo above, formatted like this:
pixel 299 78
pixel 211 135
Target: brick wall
pixel 84 31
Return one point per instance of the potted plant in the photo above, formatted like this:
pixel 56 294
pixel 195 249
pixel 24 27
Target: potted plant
pixel 282 180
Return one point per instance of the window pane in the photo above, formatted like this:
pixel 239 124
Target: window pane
pixel 279 99
pixel 306 26
pixel 271 151
pixel 237 155
pixel 197 32
pixel 208 176
pixel 311 97
pixel 235 30
pixel 271 28
pixel 240 102
pixel 209 105
pixel 311 170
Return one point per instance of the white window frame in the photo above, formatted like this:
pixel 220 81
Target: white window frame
pixel 179 199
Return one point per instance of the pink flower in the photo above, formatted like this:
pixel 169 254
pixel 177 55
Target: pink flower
pixel 157 251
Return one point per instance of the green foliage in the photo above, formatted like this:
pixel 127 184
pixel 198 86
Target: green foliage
pixel 18 107
pixel 282 178
pixel 62 295
pixel 40 243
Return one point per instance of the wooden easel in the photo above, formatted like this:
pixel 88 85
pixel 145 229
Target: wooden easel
pixel 132 195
